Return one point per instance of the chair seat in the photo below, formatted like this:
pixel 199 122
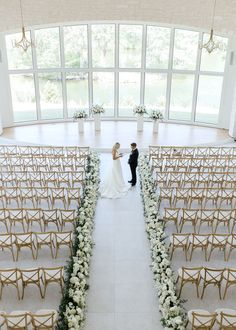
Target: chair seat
pixel 20 321
pixel 216 276
pixel 192 273
pixel 198 311
pixel 44 313
pixel 6 242
pixel 230 277
pixel 228 319
pixel 217 240
pixel 200 240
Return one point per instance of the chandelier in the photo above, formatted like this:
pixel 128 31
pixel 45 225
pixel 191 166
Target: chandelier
pixel 211 45
pixel 23 43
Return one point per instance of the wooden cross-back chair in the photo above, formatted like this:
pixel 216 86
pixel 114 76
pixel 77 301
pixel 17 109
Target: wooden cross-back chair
pixel 201 319
pixel 44 319
pixel 189 275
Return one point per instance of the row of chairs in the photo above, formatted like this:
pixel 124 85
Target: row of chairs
pixel 206 242
pixel 43 150
pixel 42 164
pixel 197 217
pixel 193 165
pixel 195 180
pixel 42 179
pixel 35 241
pixel 207 276
pixel 190 151
pixel 220 319
pixel 200 195
pixel 26 218
pixel 35 195
pixel 43 319
pixel 21 278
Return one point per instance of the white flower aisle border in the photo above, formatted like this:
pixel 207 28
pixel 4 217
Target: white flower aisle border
pixel 173 314
pixel 73 303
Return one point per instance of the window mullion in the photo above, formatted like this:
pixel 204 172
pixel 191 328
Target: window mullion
pixel 90 75
pixel 36 81
pixel 169 75
pixel 142 83
pixel 63 73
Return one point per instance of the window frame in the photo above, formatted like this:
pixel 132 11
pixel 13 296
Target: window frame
pixel 169 71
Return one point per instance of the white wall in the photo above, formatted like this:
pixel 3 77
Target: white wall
pixel 195 13
pixel 231 92
pixel 5 97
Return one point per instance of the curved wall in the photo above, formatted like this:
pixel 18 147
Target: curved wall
pixel 194 13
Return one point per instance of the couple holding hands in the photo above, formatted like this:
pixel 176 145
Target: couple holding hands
pixel 114 185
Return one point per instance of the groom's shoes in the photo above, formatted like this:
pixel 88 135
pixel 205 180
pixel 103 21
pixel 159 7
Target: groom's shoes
pixel 133 184
pixel 130 181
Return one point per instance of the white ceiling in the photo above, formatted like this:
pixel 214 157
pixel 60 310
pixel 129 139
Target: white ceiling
pixel 191 13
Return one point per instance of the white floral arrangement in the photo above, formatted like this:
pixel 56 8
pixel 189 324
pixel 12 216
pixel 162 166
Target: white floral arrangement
pixel 173 314
pixel 97 109
pixel 156 115
pixel 72 309
pixel 79 114
pixel 140 109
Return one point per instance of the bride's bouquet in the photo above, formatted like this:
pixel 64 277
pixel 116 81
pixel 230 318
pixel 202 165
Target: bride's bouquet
pixel 140 110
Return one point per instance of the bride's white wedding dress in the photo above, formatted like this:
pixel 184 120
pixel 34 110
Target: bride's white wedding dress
pixel 114 184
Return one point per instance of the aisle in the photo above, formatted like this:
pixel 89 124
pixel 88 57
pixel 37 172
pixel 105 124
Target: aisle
pixel 121 294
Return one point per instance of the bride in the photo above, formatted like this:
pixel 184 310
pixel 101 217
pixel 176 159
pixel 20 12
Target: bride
pixel 114 185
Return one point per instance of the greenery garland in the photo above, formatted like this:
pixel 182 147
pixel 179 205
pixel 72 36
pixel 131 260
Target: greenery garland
pixel 72 306
pixel 173 314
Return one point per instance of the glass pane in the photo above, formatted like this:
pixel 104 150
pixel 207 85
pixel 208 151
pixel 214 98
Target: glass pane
pixel 130 52
pixel 129 92
pixel 185 49
pixel 208 101
pixel 23 97
pixel 181 97
pixel 157 49
pixel 50 89
pixel 103 45
pixel 155 90
pixel 76 46
pixel 47 48
pixel 103 91
pixel 216 60
pixel 77 92
pixel 17 57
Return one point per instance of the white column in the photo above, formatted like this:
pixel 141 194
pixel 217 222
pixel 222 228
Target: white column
pixel 5 96
pixel 228 102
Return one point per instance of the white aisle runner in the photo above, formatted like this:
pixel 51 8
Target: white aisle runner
pixel 121 294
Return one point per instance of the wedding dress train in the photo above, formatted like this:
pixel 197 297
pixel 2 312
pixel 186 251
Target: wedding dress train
pixel 114 184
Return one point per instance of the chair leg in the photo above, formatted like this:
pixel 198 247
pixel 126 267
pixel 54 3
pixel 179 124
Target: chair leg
pixel 226 288
pixel 203 290
pixel 219 286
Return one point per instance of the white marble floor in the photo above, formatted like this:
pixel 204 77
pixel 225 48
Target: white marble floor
pixel 121 294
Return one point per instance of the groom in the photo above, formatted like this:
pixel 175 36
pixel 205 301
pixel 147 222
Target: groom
pixel 133 163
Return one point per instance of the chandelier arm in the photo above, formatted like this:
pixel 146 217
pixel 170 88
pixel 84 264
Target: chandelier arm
pixel 21 13
pixel 213 15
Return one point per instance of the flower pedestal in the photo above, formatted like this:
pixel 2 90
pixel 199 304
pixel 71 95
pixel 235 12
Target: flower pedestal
pixel 139 123
pixel 81 125
pixel 156 125
pixel 97 121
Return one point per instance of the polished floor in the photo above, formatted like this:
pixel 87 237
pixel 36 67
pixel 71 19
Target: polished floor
pixel 125 132
pixel 121 294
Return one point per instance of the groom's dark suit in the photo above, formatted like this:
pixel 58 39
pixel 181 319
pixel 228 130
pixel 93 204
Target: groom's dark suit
pixel 133 163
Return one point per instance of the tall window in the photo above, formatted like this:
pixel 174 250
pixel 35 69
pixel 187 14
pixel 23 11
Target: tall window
pixel 103 45
pixel 117 66
pixel 76 46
